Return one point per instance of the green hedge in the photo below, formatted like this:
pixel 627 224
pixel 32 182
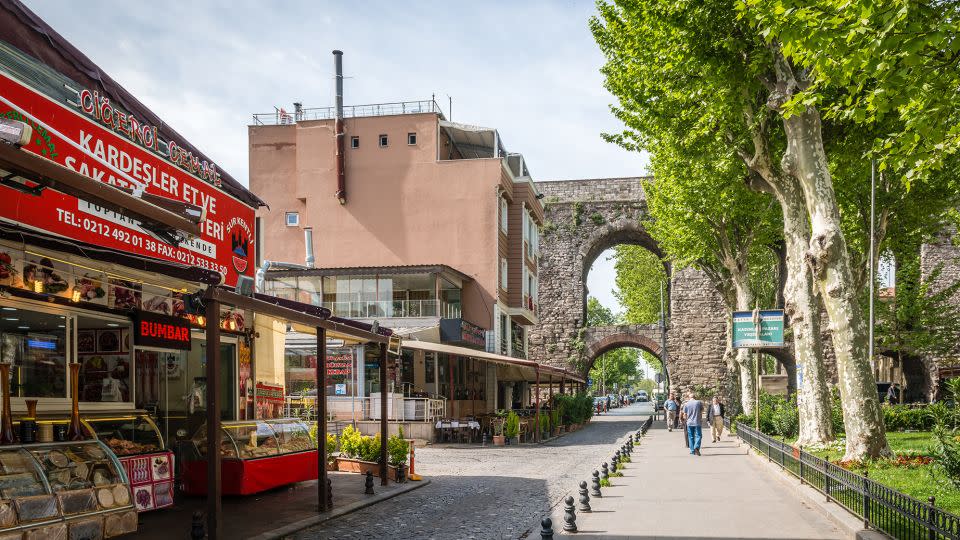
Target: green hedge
pixel 574 409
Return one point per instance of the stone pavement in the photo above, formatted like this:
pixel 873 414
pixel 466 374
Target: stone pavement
pixel 493 492
pixel 271 514
pixel 666 493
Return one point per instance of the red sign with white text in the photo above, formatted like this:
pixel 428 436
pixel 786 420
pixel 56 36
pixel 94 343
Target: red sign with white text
pixel 226 240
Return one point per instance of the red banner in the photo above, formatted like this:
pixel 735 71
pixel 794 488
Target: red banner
pixel 226 240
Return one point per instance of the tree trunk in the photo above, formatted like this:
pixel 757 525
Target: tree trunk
pixel 803 313
pixel 805 159
pixel 744 298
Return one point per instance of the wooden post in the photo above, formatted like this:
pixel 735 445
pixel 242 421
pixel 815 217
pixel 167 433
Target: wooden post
pixel 213 419
pixel 536 419
pixel 384 431
pixel 321 407
pixel 562 384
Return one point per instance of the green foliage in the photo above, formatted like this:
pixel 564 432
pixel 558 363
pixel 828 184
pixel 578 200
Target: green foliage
pixel 604 482
pixel 903 417
pixel 640 275
pixel 398 449
pixel 946 450
pixel 512 426
pixel 355 445
pixel 577 213
pixel 574 409
pixel 555 416
pixel 786 417
pixel 597 218
pixel 331 441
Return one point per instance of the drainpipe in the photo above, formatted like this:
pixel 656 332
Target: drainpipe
pixel 308 242
pixel 338 127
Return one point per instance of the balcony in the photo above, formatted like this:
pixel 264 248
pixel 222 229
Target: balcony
pixel 382 309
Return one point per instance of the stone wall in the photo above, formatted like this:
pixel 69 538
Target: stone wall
pixel 584 218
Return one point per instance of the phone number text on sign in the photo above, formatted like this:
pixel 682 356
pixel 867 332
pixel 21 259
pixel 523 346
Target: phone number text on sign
pixel 109 224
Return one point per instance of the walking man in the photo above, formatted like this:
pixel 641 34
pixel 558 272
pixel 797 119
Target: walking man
pixel 671 407
pixel 693 412
pixel 715 418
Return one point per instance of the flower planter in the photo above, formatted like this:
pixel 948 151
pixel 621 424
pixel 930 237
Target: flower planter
pixel 361 467
pixel 499 440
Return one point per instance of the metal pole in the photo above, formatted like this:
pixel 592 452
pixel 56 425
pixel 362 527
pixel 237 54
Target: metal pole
pixel 384 433
pixel 873 189
pixel 536 419
pixel 321 407
pixel 663 337
pixel 756 404
pixel 213 419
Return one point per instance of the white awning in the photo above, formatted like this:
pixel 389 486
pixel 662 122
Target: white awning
pixel 527 365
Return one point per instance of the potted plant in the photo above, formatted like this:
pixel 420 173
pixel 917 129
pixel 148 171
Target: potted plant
pixel 545 425
pixel 498 438
pixel 511 428
pixel 398 449
pixel 555 416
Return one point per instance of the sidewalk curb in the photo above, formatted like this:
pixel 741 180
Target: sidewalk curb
pixel 296 526
pixel 813 498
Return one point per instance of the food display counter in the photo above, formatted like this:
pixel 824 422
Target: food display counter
pixel 139 447
pixel 256 455
pixel 63 490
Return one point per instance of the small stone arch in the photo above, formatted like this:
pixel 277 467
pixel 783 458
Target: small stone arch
pixel 616 341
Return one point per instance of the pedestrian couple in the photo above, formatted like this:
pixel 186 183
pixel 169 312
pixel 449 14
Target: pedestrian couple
pixel 692 413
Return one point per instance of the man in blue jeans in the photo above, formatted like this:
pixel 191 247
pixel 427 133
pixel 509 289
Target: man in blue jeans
pixel 692 411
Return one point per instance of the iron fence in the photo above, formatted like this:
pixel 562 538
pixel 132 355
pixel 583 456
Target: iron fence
pixel 282 116
pixel 881 507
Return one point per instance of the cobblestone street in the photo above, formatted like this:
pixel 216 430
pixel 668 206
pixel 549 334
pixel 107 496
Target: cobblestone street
pixel 491 492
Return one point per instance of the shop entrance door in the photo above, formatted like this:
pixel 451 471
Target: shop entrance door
pixel 172 386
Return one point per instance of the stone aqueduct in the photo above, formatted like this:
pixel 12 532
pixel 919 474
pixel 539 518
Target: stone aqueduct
pixel 584 218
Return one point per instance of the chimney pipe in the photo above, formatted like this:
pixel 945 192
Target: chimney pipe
pixel 338 127
pixel 308 242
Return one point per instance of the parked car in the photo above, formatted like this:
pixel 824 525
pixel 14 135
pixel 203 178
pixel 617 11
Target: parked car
pixel 642 396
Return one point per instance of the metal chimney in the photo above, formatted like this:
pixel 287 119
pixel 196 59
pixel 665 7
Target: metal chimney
pixel 308 242
pixel 338 127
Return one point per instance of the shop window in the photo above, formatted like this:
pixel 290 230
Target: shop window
pixel 383 140
pixel 354 142
pixel 35 344
pixel 411 139
pixel 293 219
pixel 103 350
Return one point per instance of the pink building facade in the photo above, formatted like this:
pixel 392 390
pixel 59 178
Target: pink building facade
pixel 419 191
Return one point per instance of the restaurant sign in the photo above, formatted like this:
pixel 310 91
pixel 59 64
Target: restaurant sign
pixel 461 332
pixel 122 152
pixel 162 331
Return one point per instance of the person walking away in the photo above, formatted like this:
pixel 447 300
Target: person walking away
pixel 693 412
pixel 891 394
pixel 671 407
pixel 715 418
pixel 677 420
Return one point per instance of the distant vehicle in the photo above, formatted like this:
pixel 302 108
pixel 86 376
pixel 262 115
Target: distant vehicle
pixel 614 401
pixel 642 396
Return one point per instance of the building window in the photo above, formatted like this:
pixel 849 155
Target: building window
pixel 411 139
pixel 503 274
pixel 383 141
pixel 354 142
pixel 504 216
pixel 293 219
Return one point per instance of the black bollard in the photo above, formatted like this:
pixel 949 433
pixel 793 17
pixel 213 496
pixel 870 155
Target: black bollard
pixel 584 499
pixel 368 484
pixel 595 487
pixel 484 441
pixel 606 471
pixel 546 528
pixel 329 494
pixel 196 527
pixel 613 465
pixel 569 515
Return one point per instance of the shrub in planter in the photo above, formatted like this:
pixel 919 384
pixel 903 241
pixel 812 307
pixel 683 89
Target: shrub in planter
pixel 398 449
pixel 512 426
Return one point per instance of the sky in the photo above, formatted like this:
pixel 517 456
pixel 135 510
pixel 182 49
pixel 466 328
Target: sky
pixel 529 69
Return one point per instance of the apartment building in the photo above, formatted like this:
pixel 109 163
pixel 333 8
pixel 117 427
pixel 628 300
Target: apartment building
pixel 417 191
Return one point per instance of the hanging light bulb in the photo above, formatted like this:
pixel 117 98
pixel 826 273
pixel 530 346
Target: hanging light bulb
pixel 233 325
pixel 38 286
pixel 75 296
pixel 201 320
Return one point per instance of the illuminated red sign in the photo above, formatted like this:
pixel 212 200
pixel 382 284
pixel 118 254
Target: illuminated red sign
pixel 84 144
pixel 163 331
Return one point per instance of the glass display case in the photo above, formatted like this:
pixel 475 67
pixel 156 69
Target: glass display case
pixel 137 442
pixel 127 435
pixel 256 455
pixel 53 490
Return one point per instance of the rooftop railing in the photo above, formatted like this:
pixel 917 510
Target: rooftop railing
pixel 282 116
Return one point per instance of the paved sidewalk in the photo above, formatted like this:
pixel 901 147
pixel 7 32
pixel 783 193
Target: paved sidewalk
pixel 668 494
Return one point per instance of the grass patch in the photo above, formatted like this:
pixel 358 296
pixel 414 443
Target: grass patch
pixel 919 481
pixel 604 482
pixel 617 474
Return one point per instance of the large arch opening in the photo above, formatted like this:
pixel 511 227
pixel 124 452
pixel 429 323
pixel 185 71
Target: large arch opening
pixel 626 360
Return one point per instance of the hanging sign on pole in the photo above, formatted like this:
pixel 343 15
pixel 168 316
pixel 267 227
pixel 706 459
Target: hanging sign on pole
pixel 745 329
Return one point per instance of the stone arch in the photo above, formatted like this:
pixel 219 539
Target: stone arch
pixel 582 219
pixel 617 341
